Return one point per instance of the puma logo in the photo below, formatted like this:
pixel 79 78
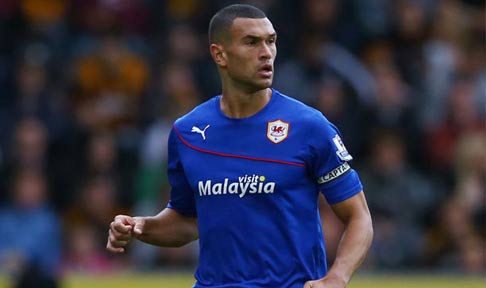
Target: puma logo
pixel 202 132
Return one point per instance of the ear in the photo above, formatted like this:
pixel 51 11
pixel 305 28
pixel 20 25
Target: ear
pixel 218 54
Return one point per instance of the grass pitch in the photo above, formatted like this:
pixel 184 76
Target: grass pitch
pixel 360 281
pixel 183 280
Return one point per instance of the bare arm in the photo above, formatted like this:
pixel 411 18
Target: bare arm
pixel 354 245
pixel 167 229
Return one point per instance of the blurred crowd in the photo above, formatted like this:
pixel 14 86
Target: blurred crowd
pixel 90 88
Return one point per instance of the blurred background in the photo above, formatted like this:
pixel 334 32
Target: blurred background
pixel 90 88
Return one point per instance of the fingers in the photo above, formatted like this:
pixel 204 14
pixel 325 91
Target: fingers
pixel 120 240
pixel 138 228
pixel 117 241
pixel 120 227
pixel 120 233
pixel 124 219
pixel 120 236
pixel 320 284
pixel 111 248
pixel 308 284
pixel 123 223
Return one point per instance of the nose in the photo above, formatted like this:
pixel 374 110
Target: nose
pixel 266 51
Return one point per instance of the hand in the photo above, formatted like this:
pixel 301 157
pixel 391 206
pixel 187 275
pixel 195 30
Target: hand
pixel 122 230
pixel 326 282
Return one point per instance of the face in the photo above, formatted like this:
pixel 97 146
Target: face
pixel 247 58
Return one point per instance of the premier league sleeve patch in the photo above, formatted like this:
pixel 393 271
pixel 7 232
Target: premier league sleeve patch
pixel 341 151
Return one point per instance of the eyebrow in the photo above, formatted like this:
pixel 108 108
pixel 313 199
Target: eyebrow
pixel 255 37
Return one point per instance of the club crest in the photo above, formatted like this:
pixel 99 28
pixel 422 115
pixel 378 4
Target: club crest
pixel 277 131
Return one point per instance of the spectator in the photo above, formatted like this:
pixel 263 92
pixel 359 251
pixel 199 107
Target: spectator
pixel 97 16
pixel 96 205
pixel 458 242
pixel 35 93
pixel 443 57
pixel 28 151
pixel 82 253
pixel 152 187
pixel 408 35
pixel 109 84
pixel 394 108
pixel 25 220
pixel 337 101
pixel 400 199
pixel 462 117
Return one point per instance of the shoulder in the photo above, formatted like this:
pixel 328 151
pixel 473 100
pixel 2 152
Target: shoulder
pixel 312 125
pixel 301 112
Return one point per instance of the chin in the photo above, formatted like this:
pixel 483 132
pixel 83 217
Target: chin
pixel 267 83
pixel 261 84
pixel 261 87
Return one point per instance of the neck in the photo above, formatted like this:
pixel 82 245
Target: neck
pixel 239 104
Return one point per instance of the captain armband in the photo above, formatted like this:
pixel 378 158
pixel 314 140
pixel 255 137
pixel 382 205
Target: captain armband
pixel 335 173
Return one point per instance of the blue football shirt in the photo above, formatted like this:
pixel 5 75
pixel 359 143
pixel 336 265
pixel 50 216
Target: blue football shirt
pixel 253 184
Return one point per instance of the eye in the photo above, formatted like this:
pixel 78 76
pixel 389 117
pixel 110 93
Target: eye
pixel 272 40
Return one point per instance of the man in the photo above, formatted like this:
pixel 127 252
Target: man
pixel 246 168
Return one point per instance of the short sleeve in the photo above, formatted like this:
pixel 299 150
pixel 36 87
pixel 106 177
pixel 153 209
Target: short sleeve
pixel 330 164
pixel 181 194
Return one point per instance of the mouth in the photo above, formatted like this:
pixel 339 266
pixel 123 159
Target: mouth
pixel 266 70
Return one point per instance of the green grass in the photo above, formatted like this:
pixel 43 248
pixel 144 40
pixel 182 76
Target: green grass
pixel 414 281
pixel 178 280
pixel 131 281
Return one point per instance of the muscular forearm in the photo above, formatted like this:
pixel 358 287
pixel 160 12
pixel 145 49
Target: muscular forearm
pixel 169 229
pixel 353 248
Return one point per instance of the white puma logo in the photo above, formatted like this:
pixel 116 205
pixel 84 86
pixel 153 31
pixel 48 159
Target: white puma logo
pixel 197 130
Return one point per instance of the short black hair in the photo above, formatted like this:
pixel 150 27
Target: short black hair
pixel 223 19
